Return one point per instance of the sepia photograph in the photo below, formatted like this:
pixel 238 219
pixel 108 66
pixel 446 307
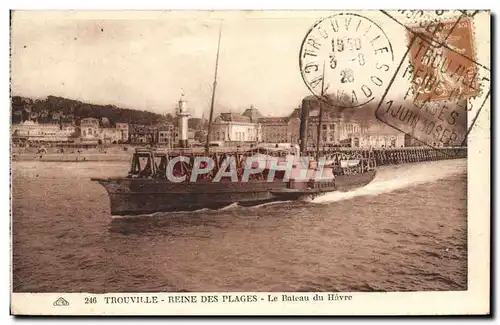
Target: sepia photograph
pixel 274 162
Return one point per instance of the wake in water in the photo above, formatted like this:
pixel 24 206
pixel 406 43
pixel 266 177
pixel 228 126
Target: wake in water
pixel 268 204
pixel 391 178
pixel 173 213
pixel 229 207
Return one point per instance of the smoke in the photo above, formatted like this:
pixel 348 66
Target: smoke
pixel 334 106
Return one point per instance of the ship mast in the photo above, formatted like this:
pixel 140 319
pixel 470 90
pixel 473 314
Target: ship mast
pixel 207 144
pixel 320 122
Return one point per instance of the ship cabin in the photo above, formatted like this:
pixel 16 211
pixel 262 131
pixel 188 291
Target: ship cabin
pixel 155 164
pixel 148 163
pixel 152 163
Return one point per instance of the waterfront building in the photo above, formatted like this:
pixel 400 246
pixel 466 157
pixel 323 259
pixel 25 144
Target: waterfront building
pixel 294 126
pixel 348 127
pixel 124 131
pixel 355 133
pixel 191 136
pixel 90 129
pixel 68 128
pixel 274 129
pixel 41 132
pixel 253 114
pixel 332 130
pixel 142 134
pixel 376 134
pixel 335 129
pixel 167 135
pixel 236 128
pixel 110 136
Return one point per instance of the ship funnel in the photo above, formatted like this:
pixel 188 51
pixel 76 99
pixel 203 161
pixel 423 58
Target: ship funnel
pixel 304 116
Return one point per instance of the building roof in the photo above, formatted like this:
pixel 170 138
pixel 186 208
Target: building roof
pixel 296 113
pixel 165 127
pixel 141 129
pixel 93 119
pixel 35 124
pixel 195 122
pixel 252 113
pixel 280 119
pixel 379 128
pixel 233 117
pixel 273 120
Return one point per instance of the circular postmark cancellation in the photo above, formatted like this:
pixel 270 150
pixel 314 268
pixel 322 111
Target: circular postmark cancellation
pixel 346 60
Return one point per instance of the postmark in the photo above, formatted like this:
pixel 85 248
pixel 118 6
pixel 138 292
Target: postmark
pixel 438 90
pixel 346 59
pixel 429 24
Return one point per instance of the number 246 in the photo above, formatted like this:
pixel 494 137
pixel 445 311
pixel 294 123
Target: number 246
pixel 90 300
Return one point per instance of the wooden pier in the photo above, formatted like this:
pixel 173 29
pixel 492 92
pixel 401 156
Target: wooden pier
pixel 388 156
pixel 395 156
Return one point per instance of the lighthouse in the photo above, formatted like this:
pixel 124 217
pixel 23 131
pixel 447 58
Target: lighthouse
pixel 183 115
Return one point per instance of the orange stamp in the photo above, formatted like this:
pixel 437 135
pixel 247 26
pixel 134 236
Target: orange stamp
pixel 439 88
pixel 446 71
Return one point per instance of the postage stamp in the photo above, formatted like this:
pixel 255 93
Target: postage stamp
pixel 429 24
pixel 436 68
pixel 439 88
pixel 185 162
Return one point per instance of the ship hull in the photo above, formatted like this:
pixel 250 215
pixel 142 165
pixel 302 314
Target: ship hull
pixel 343 183
pixel 145 196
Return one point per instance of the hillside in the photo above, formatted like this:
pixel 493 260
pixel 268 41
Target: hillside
pixel 57 109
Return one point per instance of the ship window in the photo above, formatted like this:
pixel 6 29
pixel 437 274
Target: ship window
pixel 145 165
pixel 161 166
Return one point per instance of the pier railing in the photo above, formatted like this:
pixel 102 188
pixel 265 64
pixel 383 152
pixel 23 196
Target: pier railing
pixel 393 156
pixel 382 156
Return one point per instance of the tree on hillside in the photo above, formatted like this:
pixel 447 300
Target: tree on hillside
pixel 53 108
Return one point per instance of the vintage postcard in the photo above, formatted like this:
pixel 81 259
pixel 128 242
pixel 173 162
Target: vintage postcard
pixel 250 162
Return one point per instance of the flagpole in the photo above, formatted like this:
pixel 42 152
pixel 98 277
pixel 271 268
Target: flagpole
pixel 207 145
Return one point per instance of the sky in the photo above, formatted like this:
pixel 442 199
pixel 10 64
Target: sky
pixel 146 60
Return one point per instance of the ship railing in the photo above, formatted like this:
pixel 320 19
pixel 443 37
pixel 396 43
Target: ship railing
pixel 276 152
pixel 147 163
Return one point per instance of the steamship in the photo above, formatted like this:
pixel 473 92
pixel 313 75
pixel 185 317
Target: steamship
pixel 149 187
